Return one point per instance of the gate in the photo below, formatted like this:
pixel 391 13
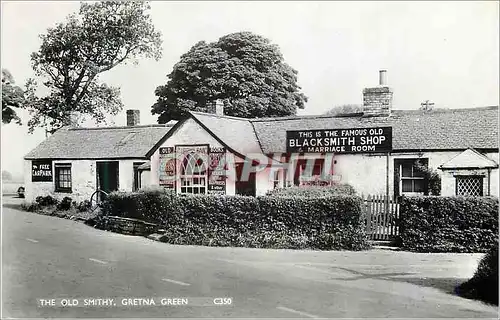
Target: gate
pixel 381 216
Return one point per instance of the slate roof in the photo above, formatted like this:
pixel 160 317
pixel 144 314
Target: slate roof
pixel 100 143
pixel 470 158
pixel 440 129
pixel 236 133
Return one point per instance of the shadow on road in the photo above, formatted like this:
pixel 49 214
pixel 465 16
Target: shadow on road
pixel 447 285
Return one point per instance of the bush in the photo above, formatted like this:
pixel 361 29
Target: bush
pixel 65 204
pixel 313 191
pixel 83 206
pixel 30 207
pixel 448 224
pixel 263 222
pixel 484 284
pixel 46 201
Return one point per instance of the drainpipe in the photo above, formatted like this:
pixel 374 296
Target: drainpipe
pixel 489 181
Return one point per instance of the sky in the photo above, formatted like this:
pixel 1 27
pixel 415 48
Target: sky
pixel 446 52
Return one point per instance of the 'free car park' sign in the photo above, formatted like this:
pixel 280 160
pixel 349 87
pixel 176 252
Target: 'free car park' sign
pixel 358 140
pixel 41 171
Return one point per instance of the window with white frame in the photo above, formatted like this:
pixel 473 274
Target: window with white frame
pixel 470 186
pixel 194 175
pixel 411 178
pixel 63 177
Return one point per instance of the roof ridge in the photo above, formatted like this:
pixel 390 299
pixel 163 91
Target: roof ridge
pixel 360 114
pixel 124 127
pixel 220 116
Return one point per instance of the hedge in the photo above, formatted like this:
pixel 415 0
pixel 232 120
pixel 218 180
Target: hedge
pixel 261 222
pixel 448 224
pixel 484 284
pixel 314 191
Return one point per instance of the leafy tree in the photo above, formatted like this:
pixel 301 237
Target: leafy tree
pixel 242 69
pixel 345 109
pixel 74 53
pixel 12 97
pixel 6 175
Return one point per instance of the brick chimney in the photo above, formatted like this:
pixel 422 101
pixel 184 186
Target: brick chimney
pixel 133 118
pixel 216 107
pixel 377 101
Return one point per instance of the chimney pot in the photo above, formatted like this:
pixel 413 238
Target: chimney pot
pixel 382 78
pixel 133 118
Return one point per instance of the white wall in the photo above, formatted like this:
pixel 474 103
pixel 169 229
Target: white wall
pixel 368 174
pixel 83 180
pixel 145 178
pixel 190 133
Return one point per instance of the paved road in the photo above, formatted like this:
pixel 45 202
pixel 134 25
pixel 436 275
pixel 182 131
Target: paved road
pixel 45 258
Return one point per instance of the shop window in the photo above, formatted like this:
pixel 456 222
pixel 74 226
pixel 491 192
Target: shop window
pixel 193 177
pixel 411 180
pixel 471 186
pixel 308 175
pixel 63 177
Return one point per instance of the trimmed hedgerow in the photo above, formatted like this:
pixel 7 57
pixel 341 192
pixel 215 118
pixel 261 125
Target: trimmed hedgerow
pixel 484 284
pixel 448 224
pixel 264 222
pixel 314 191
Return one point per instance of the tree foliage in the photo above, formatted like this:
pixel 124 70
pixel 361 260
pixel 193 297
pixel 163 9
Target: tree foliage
pixel 12 97
pixel 6 175
pixel 242 69
pixel 74 53
pixel 345 109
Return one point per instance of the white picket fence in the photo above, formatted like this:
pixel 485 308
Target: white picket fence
pixel 381 216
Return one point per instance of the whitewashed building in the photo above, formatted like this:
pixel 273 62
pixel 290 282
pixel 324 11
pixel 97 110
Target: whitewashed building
pixel 375 151
pixel 75 162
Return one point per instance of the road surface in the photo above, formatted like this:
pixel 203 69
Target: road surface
pixel 51 258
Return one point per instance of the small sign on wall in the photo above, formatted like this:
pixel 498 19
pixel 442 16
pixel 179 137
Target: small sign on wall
pixel 41 171
pixel 167 167
pixel 217 174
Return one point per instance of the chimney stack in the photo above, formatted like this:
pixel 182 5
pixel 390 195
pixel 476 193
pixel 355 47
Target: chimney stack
pixel 377 101
pixel 216 107
pixel 133 118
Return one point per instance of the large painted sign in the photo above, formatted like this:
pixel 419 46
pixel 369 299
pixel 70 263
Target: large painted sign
pixel 167 167
pixel 357 140
pixel 41 171
pixel 216 172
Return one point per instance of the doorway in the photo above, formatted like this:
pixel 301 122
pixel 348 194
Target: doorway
pixel 107 176
pixel 244 188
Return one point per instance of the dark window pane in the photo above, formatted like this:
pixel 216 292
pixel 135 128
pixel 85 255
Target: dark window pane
pixel 418 172
pixel 407 185
pixel 407 170
pixel 419 185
